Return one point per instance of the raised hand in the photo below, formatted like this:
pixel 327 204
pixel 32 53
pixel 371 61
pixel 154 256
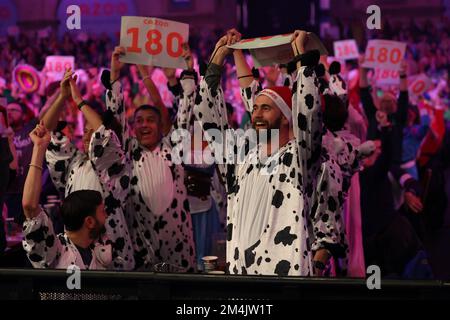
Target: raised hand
pixel 187 56
pixel 76 94
pixel 116 65
pixel 221 50
pixel 65 83
pixel 361 59
pixel 403 68
pixel 144 70
pixel 40 136
pixel 298 41
pixel 233 36
pixel 169 72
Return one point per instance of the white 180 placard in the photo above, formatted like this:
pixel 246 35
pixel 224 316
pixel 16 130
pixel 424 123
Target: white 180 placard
pixel 384 54
pixel 55 66
pixel 346 49
pixel 386 77
pixel 153 41
pixel 419 84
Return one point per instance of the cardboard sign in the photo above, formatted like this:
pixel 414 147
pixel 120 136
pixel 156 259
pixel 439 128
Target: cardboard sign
pixel 384 54
pixel 55 66
pixel 419 84
pixel 153 41
pixel 277 49
pixel 346 49
pixel 386 77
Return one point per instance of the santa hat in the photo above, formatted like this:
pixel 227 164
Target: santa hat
pixel 282 97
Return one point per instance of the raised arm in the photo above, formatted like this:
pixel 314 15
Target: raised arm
pixel 403 98
pixel 306 110
pixel 111 167
pixel 50 117
pixel 92 117
pixel 40 242
pixel 243 70
pixel 40 137
pixel 155 96
pixel 210 109
pixel 186 97
pixel 366 97
pixel 250 86
pixel 114 95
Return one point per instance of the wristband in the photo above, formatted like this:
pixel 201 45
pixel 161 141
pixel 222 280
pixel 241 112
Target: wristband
pixel 81 104
pixel 36 166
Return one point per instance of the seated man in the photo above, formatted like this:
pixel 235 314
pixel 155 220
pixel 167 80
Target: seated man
pixel 73 170
pixel 84 219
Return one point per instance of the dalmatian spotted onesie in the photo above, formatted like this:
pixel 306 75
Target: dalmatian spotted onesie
pixel 269 228
pixel 341 160
pixel 71 170
pixel 157 207
pixel 47 250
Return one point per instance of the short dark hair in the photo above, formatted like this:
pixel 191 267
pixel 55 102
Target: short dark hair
pixel 21 104
pixel 148 107
pixel 77 206
pixel 336 112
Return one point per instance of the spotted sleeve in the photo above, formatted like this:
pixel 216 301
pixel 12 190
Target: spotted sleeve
pixel 186 102
pixel 210 111
pixel 248 95
pixel 115 104
pixel 326 212
pixel 61 156
pixel 307 124
pixel 39 241
pixel 109 162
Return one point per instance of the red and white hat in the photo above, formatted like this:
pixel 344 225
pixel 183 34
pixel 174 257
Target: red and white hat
pixel 282 97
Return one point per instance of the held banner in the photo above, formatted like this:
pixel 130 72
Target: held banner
pixel 419 84
pixel 55 66
pixel 346 49
pixel 386 77
pixel 277 49
pixel 153 41
pixel 384 54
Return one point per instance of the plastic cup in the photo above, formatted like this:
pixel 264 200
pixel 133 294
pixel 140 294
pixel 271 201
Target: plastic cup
pixel 209 263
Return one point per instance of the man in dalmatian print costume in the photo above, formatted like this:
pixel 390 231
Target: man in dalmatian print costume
pixel 83 212
pixel 270 229
pixel 341 158
pixel 157 207
pixel 72 170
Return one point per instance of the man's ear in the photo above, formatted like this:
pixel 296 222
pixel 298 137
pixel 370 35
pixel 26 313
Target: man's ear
pixel 89 222
pixel 284 120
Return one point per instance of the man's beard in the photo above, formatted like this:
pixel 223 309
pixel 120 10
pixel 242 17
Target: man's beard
pixel 276 125
pixel 97 231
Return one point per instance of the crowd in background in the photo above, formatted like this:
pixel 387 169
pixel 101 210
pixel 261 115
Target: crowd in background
pixel 428 51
